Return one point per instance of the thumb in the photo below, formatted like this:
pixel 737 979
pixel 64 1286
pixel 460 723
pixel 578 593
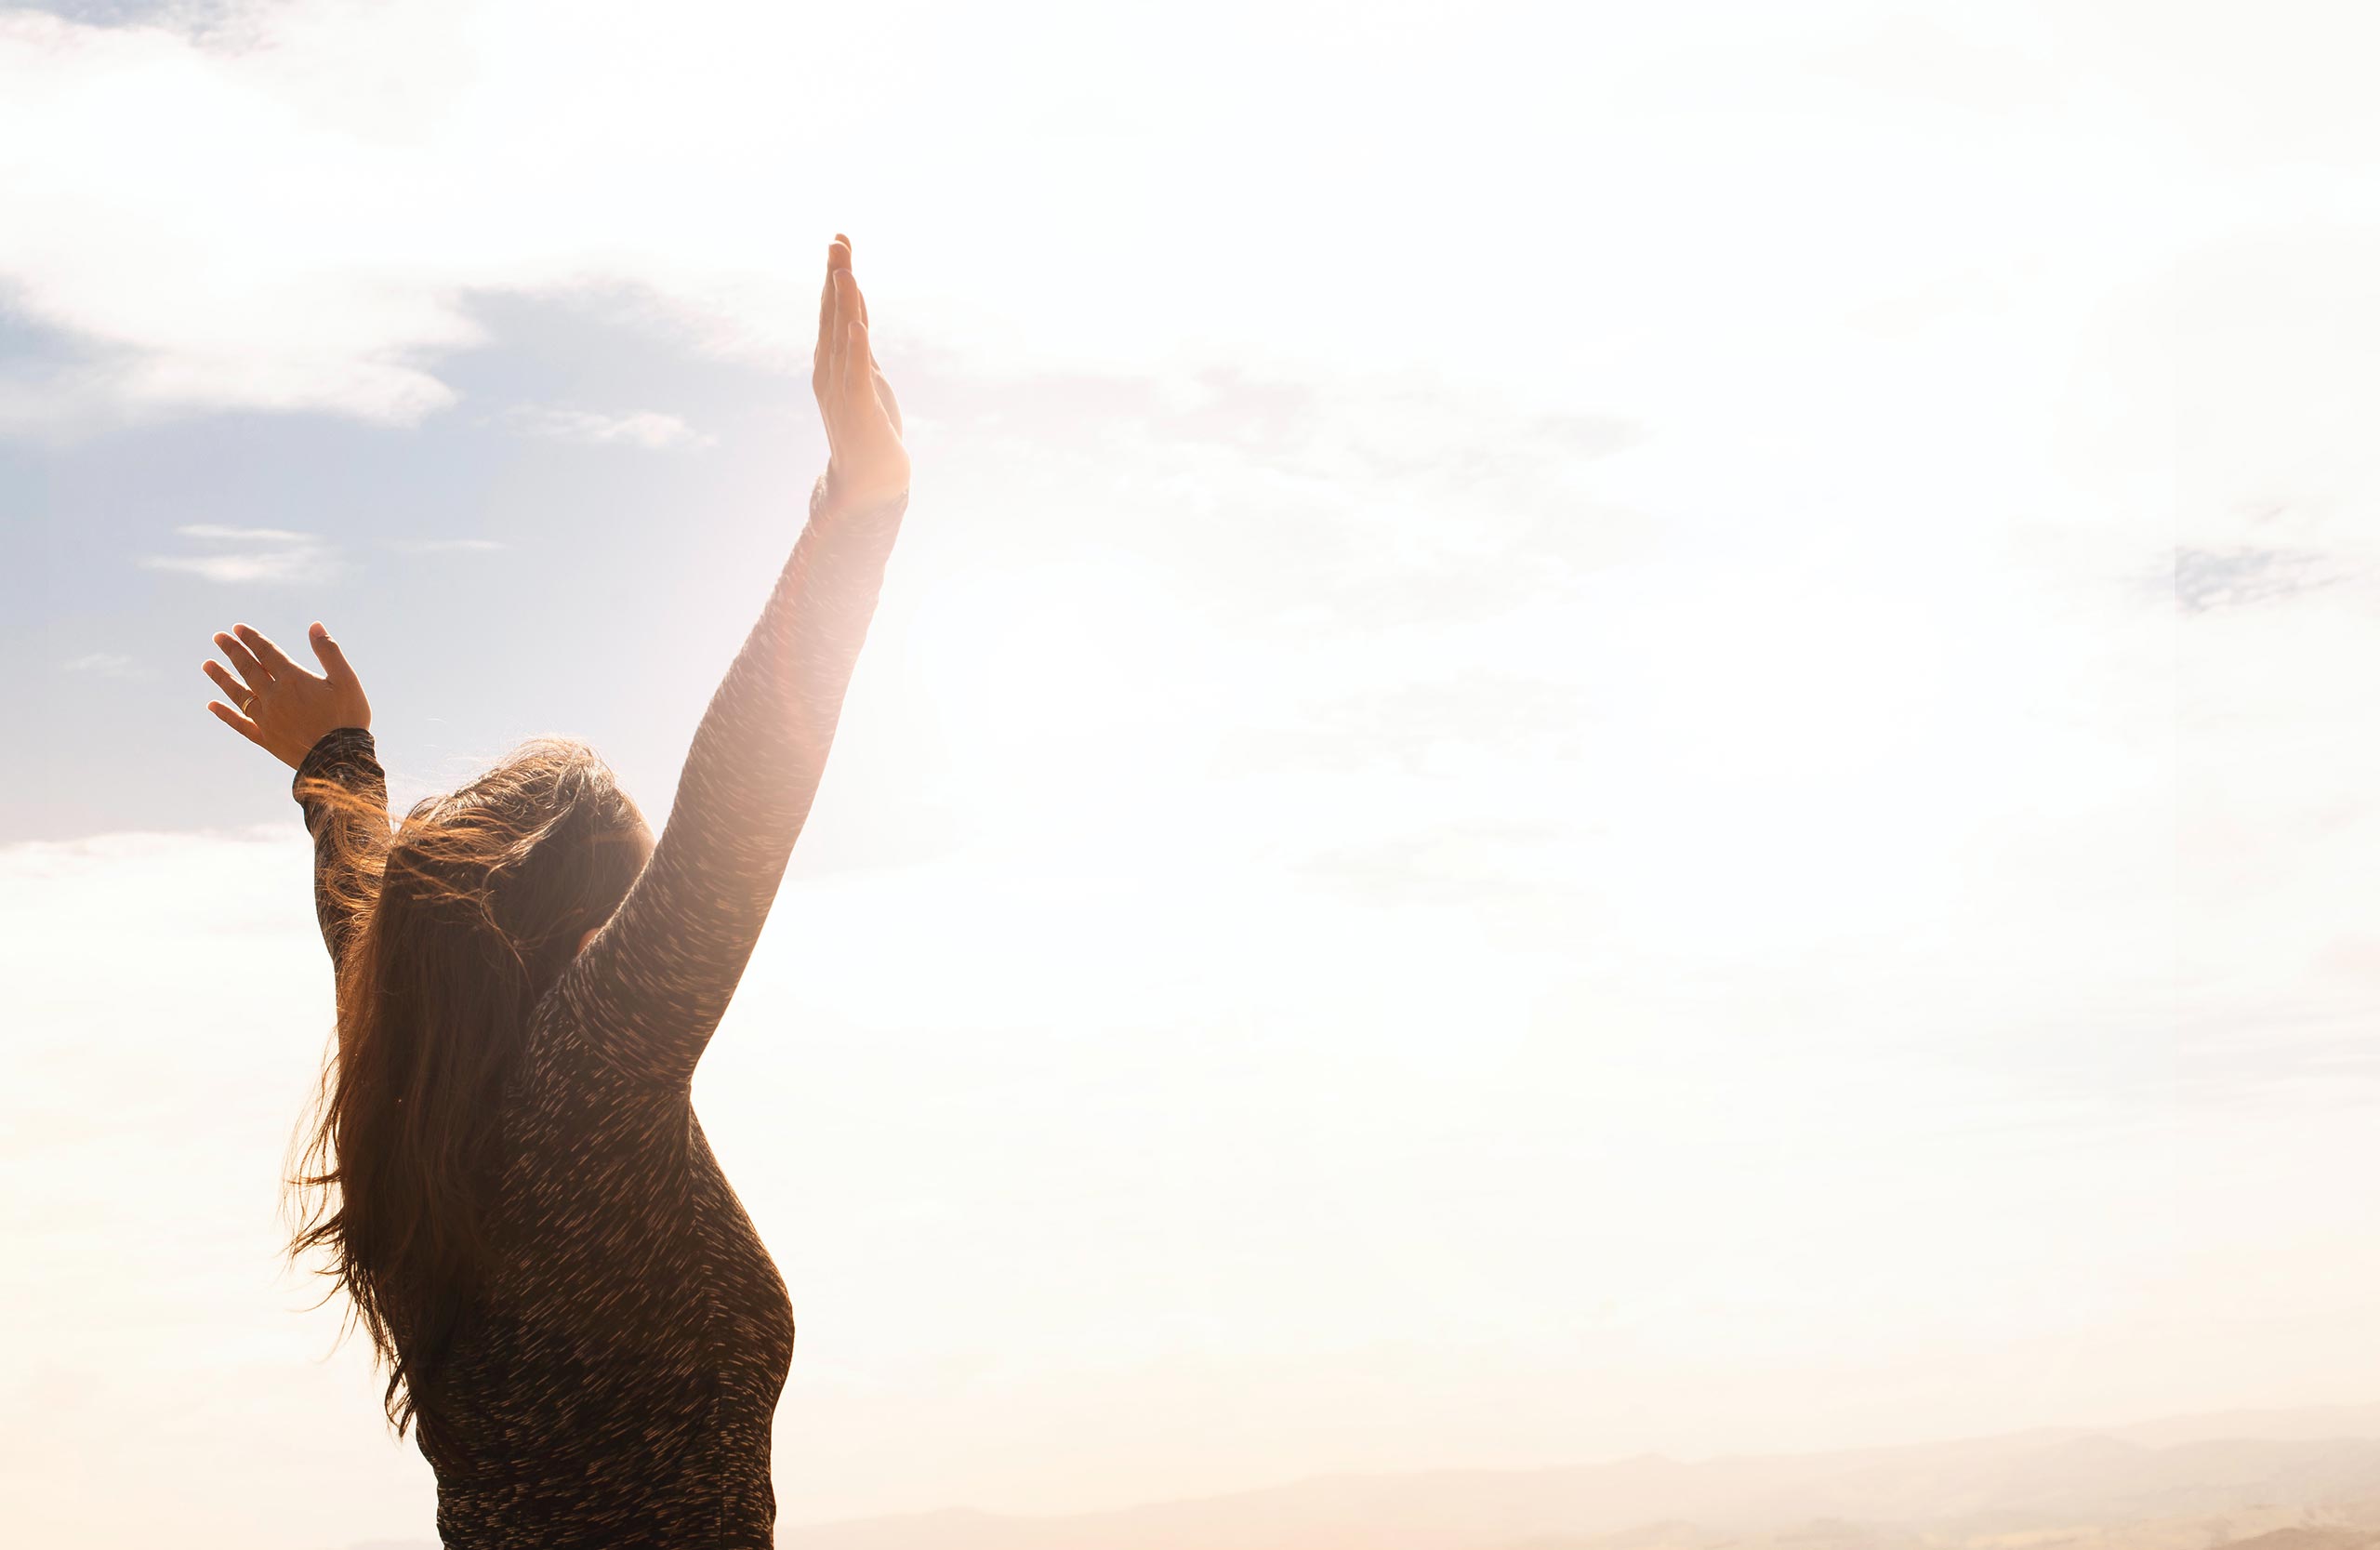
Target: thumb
pixel 333 659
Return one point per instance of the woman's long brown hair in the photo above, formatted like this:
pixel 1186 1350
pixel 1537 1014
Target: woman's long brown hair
pixel 459 923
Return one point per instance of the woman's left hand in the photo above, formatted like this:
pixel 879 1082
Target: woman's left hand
pixel 283 708
pixel 867 465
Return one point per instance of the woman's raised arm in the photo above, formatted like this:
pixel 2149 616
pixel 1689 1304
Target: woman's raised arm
pixel 319 724
pixel 344 793
pixel 651 985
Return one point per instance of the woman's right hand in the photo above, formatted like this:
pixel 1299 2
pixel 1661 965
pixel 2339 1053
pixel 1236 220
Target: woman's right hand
pixel 283 708
pixel 867 465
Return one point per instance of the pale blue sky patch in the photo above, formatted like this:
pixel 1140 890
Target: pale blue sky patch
pixel 2231 577
pixel 191 14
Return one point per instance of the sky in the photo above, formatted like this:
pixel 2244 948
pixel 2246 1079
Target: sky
pixel 1599 729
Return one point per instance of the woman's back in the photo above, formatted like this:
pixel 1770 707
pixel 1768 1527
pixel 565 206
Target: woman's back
pixel 618 1387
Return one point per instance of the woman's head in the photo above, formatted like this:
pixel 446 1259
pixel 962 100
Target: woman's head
pixel 464 917
pixel 533 855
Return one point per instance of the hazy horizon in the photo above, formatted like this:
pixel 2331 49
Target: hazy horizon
pixel 1598 731
pixel 2304 1480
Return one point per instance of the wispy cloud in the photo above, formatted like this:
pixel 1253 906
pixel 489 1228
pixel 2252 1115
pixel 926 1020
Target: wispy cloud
pixel 2205 578
pixel 646 428
pixel 104 664
pixel 250 535
pixel 443 546
pixel 268 555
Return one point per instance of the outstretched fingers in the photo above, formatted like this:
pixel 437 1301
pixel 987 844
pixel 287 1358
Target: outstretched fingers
pixel 825 316
pixel 859 378
pixel 275 660
pixel 328 652
pixel 857 389
pixel 242 658
pixel 849 362
pixel 237 722
pixel 233 690
pixel 830 320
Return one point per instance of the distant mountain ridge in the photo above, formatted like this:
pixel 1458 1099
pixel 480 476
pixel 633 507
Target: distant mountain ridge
pixel 2299 1479
pixel 2200 1488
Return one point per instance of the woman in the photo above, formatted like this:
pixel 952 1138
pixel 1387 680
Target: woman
pixel 506 1172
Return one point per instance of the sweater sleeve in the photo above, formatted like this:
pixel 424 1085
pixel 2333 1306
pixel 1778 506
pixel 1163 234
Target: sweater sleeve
pixel 344 793
pixel 650 990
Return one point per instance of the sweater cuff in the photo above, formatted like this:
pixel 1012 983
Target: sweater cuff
pixel 345 748
pixel 883 518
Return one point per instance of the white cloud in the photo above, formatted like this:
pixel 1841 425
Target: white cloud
pixel 648 429
pixel 272 567
pixel 262 534
pixel 281 556
pixel 104 664
pixel 341 178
